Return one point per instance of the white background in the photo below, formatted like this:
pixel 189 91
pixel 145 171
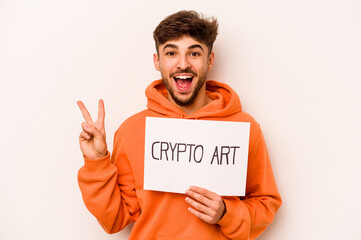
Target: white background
pixel 295 64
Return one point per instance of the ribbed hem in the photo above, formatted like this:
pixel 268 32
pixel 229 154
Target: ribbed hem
pixel 236 212
pixel 98 165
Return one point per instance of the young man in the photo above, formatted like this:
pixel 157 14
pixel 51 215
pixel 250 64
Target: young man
pixel 112 186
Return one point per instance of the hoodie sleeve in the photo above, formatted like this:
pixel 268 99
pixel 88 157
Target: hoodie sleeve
pixel 108 192
pixel 249 216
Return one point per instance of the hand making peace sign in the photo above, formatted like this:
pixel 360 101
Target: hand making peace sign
pixel 92 139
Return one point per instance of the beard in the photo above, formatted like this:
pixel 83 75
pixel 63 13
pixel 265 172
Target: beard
pixel 184 102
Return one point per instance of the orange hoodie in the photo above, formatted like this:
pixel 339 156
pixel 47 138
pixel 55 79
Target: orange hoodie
pixel 112 187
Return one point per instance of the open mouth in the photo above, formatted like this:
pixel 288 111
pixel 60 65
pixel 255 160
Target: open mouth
pixel 183 82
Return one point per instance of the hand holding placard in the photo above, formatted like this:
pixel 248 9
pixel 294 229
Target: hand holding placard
pixel 206 205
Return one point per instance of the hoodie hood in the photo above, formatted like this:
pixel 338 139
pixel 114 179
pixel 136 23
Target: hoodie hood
pixel 225 101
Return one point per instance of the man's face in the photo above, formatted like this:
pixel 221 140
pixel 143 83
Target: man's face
pixel 183 64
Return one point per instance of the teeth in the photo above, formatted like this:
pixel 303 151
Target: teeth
pixel 183 77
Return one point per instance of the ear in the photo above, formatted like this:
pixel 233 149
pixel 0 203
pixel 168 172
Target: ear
pixel 210 60
pixel 156 61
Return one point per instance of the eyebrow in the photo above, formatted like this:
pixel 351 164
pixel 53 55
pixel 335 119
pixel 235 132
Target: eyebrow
pixel 169 45
pixel 196 46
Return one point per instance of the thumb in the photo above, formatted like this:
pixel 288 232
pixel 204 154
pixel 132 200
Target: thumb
pixel 92 130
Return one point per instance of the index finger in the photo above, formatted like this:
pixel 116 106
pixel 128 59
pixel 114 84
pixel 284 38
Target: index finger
pixel 85 112
pixel 204 192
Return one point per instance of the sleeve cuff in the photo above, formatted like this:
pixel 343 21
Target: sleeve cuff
pixel 98 165
pixel 236 212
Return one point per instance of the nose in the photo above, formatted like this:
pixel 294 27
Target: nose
pixel 183 62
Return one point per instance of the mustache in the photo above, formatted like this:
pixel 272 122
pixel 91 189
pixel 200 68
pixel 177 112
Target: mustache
pixel 187 70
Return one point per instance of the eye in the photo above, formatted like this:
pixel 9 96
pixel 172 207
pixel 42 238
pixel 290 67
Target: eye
pixel 170 53
pixel 195 54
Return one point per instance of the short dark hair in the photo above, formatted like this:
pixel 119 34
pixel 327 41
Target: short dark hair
pixel 186 23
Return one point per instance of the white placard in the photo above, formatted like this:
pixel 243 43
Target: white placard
pixel 211 154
